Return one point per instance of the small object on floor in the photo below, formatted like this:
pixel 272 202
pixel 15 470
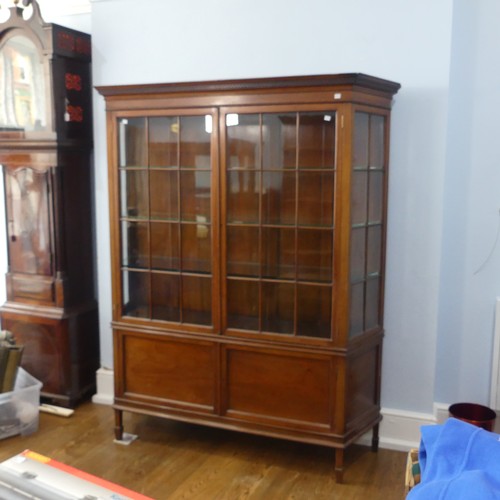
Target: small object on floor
pixel 56 410
pixel 126 439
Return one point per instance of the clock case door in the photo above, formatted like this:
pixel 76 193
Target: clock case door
pixel 47 166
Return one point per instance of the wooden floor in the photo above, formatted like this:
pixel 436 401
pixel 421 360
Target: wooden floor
pixel 172 460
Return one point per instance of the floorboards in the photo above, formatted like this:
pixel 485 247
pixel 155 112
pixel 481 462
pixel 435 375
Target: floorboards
pixel 173 460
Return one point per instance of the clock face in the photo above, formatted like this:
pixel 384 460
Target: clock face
pixel 22 86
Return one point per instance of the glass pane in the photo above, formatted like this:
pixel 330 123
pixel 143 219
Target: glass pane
pixel 359 197
pixel 377 142
pixel 316 193
pixel 132 145
pixel 374 250
pixel 165 246
pixel 278 197
pixel 315 255
pixel 243 304
pixel 372 318
pixel 135 294
pixel 196 248
pixel 279 137
pixel 358 254
pixel 164 199
pixel 135 244
pixel 243 187
pixel 316 140
pixel 360 152
pixel 163 138
pixel 196 300
pixel 195 196
pixel 278 253
pixel 243 251
pixel 243 141
pixel 22 92
pixel 376 196
pixel 194 142
pixel 165 297
pixel 134 197
pixel 314 307
pixel 277 307
pixel 357 308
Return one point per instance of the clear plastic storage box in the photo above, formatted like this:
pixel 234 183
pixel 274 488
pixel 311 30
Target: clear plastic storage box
pixel 19 409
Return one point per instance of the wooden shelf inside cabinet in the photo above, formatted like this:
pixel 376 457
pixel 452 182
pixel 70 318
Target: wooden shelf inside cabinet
pixel 46 157
pixel 248 221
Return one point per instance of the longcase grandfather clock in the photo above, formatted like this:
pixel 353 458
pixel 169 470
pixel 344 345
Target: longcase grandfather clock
pixel 46 154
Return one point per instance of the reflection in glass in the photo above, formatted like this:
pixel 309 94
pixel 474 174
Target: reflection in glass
pixel 163 141
pixel 361 143
pixel 28 214
pixel 243 187
pixel 357 309
pixel 314 305
pixel 135 244
pixel 278 253
pixel 316 193
pixel 196 248
pixel 279 141
pixel 135 294
pixel 314 255
pixel 278 197
pixel 376 196
pixel 359 181
pixel 165 246
pixel 243 304
pixel 243 142
pixel 22 86
pixel 163 193
pixel 277 307
pixel 196 300
pixel 195 195
pixel 374 250
pixel 358 254
pixel 372 318
pixel 132 142
pixel 243 251
pixel 377 141
pixel 134 193
pixel 194 142
pixel 165 297
pixel 316 140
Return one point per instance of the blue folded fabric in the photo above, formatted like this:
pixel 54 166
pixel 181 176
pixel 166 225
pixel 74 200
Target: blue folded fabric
pixel 458 461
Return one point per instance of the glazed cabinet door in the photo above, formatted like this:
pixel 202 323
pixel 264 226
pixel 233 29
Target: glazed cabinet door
pixel 167 218
pixel 278 183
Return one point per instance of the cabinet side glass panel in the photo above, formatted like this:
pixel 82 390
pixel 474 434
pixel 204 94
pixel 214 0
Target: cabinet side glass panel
pixel 367 200
pixel 165 218
pixel 279 181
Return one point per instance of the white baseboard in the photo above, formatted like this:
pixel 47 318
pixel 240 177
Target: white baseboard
pixel 105 387
pixel 399 429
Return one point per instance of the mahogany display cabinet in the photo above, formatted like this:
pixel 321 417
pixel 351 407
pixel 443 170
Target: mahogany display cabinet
pixel 46 157
pixel 248 222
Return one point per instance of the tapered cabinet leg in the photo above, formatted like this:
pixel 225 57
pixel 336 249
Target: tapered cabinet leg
pixel 118 425
pixel 375 438
pixel 339 465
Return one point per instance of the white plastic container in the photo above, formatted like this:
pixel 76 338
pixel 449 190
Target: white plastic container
pixel 19 409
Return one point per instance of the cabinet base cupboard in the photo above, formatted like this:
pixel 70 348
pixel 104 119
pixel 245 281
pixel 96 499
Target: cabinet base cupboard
pixel 248 222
